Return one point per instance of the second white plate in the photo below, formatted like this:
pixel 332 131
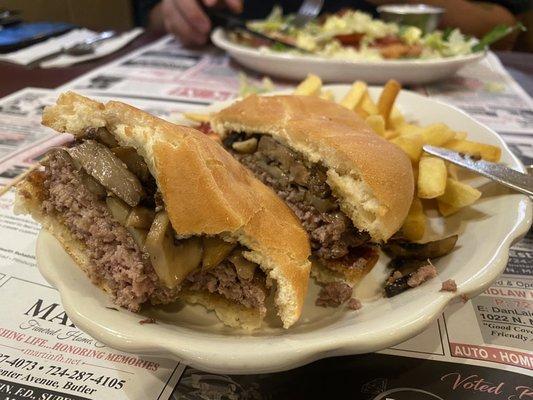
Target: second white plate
pixel 290 66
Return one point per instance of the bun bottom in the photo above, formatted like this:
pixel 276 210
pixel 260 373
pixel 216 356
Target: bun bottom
pixel 324 275
pixel 230 313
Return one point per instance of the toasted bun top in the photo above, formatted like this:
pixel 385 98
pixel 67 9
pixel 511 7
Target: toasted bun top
pixel 205 190
pixel 371 177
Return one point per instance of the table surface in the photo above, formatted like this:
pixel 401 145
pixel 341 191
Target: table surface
pixel 15 77
pixel 327 378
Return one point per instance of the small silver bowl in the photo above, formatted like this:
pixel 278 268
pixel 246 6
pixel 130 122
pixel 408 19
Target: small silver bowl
pixel 422 16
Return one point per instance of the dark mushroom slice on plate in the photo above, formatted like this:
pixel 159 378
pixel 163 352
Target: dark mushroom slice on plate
pixel 420 251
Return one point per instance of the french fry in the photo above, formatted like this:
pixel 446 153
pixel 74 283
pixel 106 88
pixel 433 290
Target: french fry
pixel 414 225
pixel 437 134
pixel 434 178
pixel 387 98
pixel 415 174
pixel 310 86
pixel 446 209
pixel 485 151
pixel 410 144
pixel 195 117
pixel 354 95
pixel 368 105
pixel 460 135
pixel 377 123
pixel 458 194
pixel 362 113
pixel 215 137
pixel 431 177
pixel 410 129
pixel 327 95
pixel 396 118
pixel 389 134
pixel 453 171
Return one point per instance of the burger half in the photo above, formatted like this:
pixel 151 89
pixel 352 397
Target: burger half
pixel 153 212
pixel 350 188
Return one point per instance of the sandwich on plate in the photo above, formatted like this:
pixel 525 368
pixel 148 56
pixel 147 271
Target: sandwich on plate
pixel 153 212
pixel 350 188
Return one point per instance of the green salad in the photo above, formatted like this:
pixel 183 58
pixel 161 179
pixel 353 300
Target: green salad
pixel 354 35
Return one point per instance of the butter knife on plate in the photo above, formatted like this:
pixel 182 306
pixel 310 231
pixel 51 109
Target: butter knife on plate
pixel 497 172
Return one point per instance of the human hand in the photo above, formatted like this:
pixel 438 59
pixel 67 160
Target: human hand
pixel 187 20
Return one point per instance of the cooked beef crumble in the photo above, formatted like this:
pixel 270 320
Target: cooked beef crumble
pixel 304 188
pixel 224 280
pixel 422 274
pixel 115 257
pixel 354 304
pixel 334 294
pixel 449 285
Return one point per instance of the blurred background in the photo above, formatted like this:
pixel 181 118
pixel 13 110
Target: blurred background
pixel 92 14
pixel 124 14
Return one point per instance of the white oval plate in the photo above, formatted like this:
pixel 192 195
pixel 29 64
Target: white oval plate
pixel 290 66
pixel 195 336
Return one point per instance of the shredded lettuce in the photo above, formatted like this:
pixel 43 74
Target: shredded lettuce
pixel 247 88
pixel 497 33
pixel 411 34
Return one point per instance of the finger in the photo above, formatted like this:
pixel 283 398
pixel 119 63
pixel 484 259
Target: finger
pixel 209 3
pixel 192 35
pixel 193 14
pixel 234 5
pixel 178 26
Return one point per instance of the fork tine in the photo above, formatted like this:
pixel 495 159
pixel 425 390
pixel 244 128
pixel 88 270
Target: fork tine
pixel 311 9
pixel 308 10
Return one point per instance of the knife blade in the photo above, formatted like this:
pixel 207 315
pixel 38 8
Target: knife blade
pixel 271 40
pixel 497 172
pixel 46 57
pixel 232 22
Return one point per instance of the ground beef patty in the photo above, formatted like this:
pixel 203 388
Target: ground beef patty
pixel 303 187
pixel 224 280
pixel 115 257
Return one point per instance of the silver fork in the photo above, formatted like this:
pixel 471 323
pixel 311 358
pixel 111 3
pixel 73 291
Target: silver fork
pixel 307 12
pixel 78 49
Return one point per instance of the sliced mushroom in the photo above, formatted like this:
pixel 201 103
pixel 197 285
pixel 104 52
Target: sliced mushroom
pixel 139 235
pixel 420 251
pixel 93 185
pixel 247 146
pixel 101 135
pixel 215 251
pixel 62 154
pixel 318 182
pixel 119 209
pixel 99 162
pixel 273 171
pixel 232 138
pixel 245 268
pixel 406 265
pixel 134 162
pixel 140 217
pixel 299 174
pixel 158 201
pixel 398 286
pixel 172 262
pixel 322 205
pixel 87 180
pixel 276 151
